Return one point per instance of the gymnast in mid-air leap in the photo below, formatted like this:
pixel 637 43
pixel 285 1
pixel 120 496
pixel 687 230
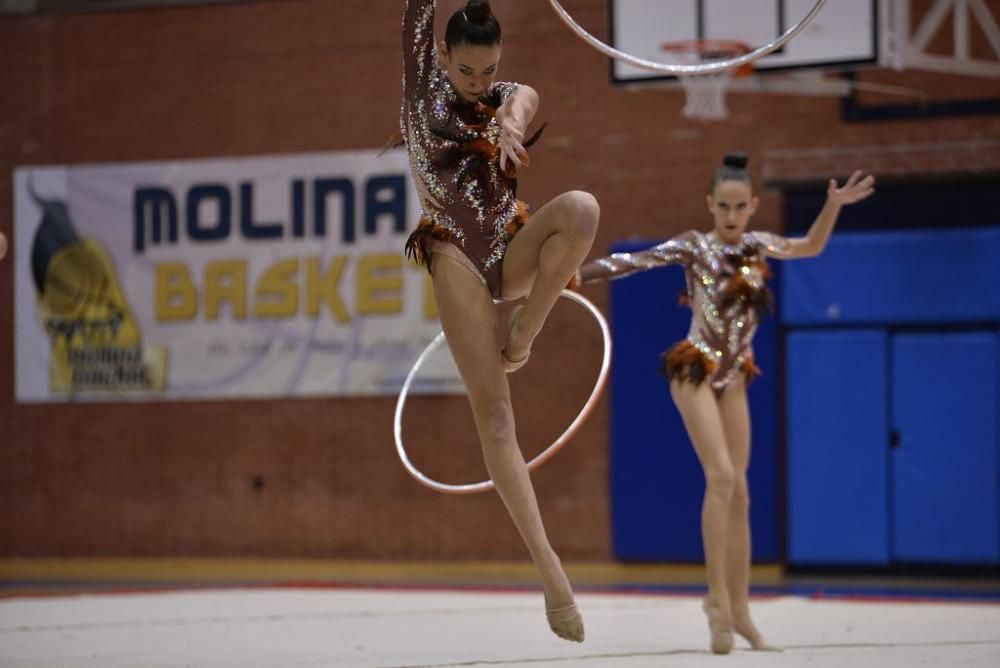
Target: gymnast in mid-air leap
pixel 465 136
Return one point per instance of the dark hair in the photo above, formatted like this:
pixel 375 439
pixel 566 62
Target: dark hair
pixel 733 168
pixel 475 25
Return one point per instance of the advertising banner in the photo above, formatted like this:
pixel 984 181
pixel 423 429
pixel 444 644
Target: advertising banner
pixel 278 276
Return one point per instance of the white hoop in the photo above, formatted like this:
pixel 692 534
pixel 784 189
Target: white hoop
pixel 541 458
pixel 675 69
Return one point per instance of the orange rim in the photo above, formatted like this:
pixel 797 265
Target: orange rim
pixel 713 49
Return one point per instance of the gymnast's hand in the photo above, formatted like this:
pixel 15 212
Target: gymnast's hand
pixel 855 190
pixel 511 138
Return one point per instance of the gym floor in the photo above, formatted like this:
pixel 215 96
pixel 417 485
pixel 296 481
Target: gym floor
pixel 254 613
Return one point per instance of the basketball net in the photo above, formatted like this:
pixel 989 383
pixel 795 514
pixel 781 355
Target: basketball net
pixel 706 93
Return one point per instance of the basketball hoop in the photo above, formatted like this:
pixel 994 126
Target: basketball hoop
pixel 706 92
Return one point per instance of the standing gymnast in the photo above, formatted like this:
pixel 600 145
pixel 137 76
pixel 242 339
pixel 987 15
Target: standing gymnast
pixel 464 133
pixel 708 372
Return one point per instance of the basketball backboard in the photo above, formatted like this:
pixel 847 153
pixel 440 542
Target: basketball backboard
pixel 844 34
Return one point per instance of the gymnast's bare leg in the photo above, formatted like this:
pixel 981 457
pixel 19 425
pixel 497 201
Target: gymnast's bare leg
pixel 736 425
pixel 703 421
pixel 541 260
pixel 468 317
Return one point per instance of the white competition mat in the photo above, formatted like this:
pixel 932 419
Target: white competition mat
pixel 377 628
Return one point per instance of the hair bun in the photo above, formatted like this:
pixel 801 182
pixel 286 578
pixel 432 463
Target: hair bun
pixel 736 160
pixel 478 11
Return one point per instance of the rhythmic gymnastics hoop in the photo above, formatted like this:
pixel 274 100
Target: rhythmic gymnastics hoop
pixel 542 457
pixel 683 69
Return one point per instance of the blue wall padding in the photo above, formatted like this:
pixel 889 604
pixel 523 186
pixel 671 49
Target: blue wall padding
pixel 837 447
pixel 945 467
pixel 911 277
pixel 656 481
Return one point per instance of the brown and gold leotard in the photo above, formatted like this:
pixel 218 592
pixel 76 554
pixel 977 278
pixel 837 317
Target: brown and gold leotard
pixel 466 199
pixel 727 293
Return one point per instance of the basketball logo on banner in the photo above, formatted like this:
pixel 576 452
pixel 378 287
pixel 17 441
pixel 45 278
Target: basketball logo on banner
pixel 96 344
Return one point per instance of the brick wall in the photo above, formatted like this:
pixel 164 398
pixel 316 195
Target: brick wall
pixel 320 477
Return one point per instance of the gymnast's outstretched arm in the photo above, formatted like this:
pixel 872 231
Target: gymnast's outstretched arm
pixel 679 250
pixel 418 48
pixel 815 240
